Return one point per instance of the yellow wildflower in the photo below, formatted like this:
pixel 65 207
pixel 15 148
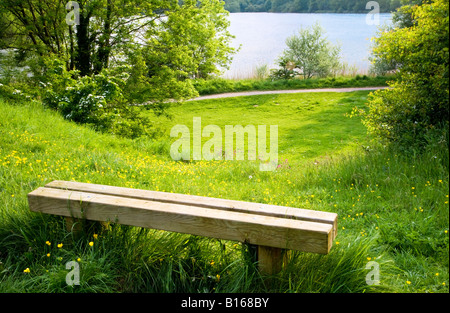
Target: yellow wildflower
pixel 91 243
pixel 60 245
pixel 27 270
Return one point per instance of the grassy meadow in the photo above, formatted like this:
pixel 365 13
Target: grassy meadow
pixel 392 205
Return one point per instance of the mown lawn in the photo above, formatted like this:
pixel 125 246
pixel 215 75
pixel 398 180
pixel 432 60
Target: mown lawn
pixel 393 207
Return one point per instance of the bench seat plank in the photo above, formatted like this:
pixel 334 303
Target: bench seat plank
pixel 207 202
pixel 182 216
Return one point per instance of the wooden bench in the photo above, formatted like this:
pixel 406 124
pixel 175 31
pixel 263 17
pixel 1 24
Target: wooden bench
pixel 270 227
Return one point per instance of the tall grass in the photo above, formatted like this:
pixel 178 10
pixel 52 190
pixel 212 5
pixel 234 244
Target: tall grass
pixel 392 206
pixel 262 71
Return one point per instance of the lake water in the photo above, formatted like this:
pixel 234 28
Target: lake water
pixel 262 37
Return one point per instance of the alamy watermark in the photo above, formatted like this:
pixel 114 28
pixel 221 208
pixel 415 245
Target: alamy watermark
pixel 373 277
pixel 373 17
pixel 222 148
pixel 73 277
pixel 73 17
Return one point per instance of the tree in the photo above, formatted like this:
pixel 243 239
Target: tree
pixel 181 39
pixel 312 53
pixel 403 17
pixel 418 100
pixel 192 42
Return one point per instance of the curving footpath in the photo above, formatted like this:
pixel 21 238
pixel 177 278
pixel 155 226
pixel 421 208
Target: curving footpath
pixel 271 92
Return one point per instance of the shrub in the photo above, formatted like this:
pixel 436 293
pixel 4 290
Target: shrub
pixel 312 53
pixel 286 70
pixel 94 100
pixel 82 100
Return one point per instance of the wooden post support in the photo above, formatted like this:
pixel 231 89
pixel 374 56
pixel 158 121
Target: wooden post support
pixel 270 260
pixel 74 225
pixel 78 226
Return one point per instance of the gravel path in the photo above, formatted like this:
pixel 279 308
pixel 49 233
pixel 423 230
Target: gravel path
pixel 271 92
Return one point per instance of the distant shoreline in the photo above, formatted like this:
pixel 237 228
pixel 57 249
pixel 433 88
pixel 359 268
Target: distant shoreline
pixel 312 6
pixel 348 13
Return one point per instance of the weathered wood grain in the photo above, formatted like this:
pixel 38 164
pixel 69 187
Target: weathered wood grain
pixel 270 260
pixel 206 202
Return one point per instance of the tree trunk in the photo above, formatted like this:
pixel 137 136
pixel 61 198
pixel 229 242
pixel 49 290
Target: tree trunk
pixel 104 49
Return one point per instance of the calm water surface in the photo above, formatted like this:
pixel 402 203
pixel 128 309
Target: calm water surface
pixel 262 37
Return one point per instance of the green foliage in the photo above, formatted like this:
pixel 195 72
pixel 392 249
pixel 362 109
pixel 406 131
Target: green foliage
pixel 13 78
pixel 285 70
pixel 192 43
pixel 381 217
pixel 404 15
pixel 311 53
pixel 418 100
pixel 221 85
pixel 94 100
pixel 13 94
pixel 162 45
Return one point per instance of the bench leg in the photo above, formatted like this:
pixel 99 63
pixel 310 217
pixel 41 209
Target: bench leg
pixel 78 226
pixel 270 260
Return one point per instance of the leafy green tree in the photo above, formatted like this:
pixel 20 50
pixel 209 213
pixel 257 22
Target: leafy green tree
pixel 191 42
pixel 312 53
pixel 403 16
pixel 418 101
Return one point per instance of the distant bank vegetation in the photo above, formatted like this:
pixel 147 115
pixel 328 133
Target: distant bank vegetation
pixel 308 6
